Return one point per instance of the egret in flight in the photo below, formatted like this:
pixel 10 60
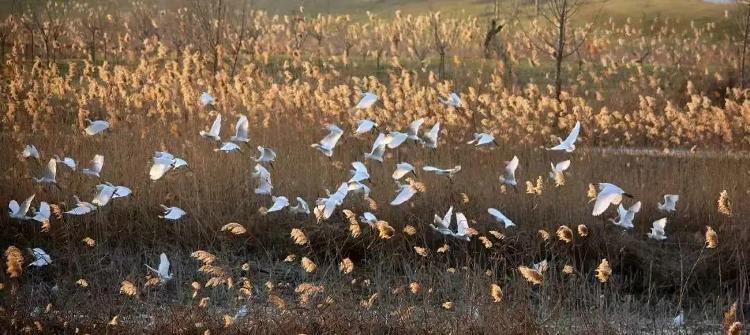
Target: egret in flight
pixel 453 100
pixel 49 174
pixel 625 217
pixel 378 149
pixel 462 227
pixel 405 192
pixel 241 130
pixel 30 151
pixel 43 213
pixel 264 180
pixel 509 174
pixel 328 143
pixel 443 172
pixel 329 204
pixel 163 271
pixel 359 188
pixel 172 213
pixel 430 139
pixel 365 126
pixel 402 169
pixel 558 169
pixel 41 258
pixel 482 139
pixel 95 166
pixel 265 155
pixel 368 99
pixel 163 162
pixel 213 132
pixel 368 218
pixel 657 230
pixel 82 207
pixel 608 194
pixel 670 203
pixel 17 211
pixel 96 127
pixel 300 208
pixel 359 173
pixel 569 143
pixel 412 132
pixel 104 195
pixel 501 218
pixel 67 161
pixel 278 203
pixel 443 225
pixel 228 147
pixel 206 99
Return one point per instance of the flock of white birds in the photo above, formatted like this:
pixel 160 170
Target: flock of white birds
pixel 325 207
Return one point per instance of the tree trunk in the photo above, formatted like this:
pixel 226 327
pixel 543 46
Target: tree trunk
pixel 743 55
pixel 560 52
pixel 442 64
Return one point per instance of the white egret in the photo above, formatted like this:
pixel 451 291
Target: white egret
pixel 328 143
pixel 265 155
pixel 17 211
pixel 462 227
pixel 402 169
pixel 82 207
pixel 120 191
pixel 394 139
pixel 482 139
pixel 430 139
pixel 300 208
pixel 679 320
pixel 625 217
pixel 30 151
pixel 569 143
pixel 368 218
pixel 41 258
pixel 657 230
pixel 241 130
pixel 365 126
pixel 378 149
pixel 608 194
pixel 412 132
pixel 213 132
pixel 163 162
pixel 443 225
pixel 359 173
pixel 329 204
pixel 405 192
pixel 453 100
pixel 95 167
pixel 43 213
pixel 509 174
pixel 172 213
pixel 359 188
pixel 206 99
pixel 368 99
pixel 49 174
pixel 264 180
pixel 67 161
pixel 228 147
pixel 670 203
pixel 163 271
pixel 501 218
pixel 96 127
pixel 443 172
pixel 559 168
pixel 279 203
pixel 104 195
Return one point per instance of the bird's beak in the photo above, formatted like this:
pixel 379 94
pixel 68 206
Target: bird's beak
pixel 497 144
pixel 414 173
pixel 628 195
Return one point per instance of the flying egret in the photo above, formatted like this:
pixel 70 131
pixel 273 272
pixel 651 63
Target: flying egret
pixel 278 203
pixel 329 204
pixel 559 168
pixel 67 161
pixel 42 214
pixel 49 174
pixel 368 99
pixel 359 188
pixel 569 143
pixel 104 195
pixel 328 143
pixel 95 167
pixel 172 213
pixel 608 194
pixel 368 218
pixel 213 132
pixel 19 211
pixel 482 139
pixel 453 100
pixel 430 139
pixel 443 225
pixel 359 173
pixel 405 192
pixel 501 218
pixel 265 155
pixel 41 258
pixel 241 130
pixel 163 271
pixel 402 169
pixel 679 320
pixel 228 147
pixel 264 180
pixel 509 174
pixel 30 151
pixel 120 191
pixel 670 203
pixel 300 208
pixel 96 127
pixel 462 227
pixel 163 162
pixel 82 207
pixel 625 217
pixel 394 139
pixel 443 172
pixel 657 230
pixel 206 99
pixel 412 132
pixel 365 126
pixel 378 149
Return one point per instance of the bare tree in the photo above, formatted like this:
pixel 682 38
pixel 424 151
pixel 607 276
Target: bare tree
pixel 444 31
pixel 210 17
pixel 743 23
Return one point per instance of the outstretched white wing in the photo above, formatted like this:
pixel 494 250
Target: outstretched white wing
pixel 163 265
pixel 573 136
pixel 405 193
